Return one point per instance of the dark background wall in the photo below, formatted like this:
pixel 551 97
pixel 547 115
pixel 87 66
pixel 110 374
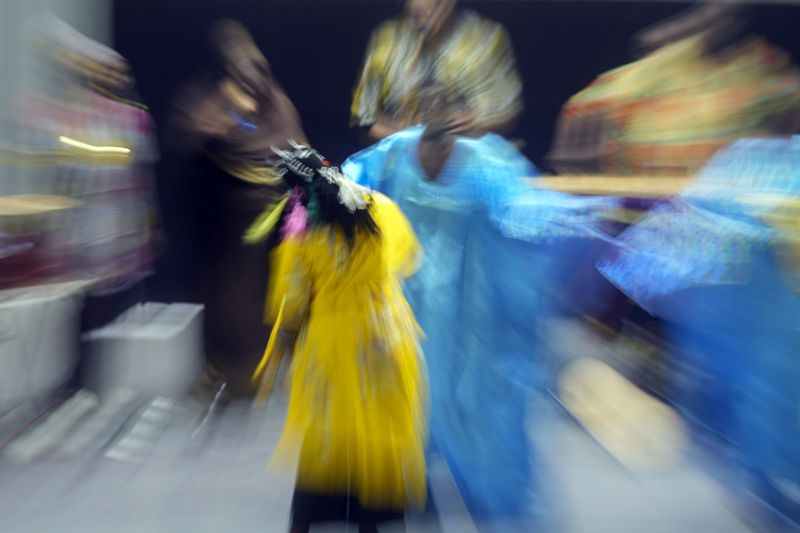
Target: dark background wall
pixel 316 49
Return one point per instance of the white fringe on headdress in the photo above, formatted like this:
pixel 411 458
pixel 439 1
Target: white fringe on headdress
pixel 351 195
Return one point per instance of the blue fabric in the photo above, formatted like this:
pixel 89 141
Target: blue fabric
pixel 487 237
pixel 710 263
pixel 709 234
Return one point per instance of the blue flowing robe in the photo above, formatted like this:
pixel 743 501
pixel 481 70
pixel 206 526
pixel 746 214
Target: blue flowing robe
pixel 483 284
pixel 711 263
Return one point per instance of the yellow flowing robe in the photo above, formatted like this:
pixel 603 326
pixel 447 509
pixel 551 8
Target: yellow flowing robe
pixel 358 403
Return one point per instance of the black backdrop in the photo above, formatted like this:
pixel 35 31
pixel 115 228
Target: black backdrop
pixel 316 49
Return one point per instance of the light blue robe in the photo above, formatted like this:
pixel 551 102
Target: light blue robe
pixel 483 285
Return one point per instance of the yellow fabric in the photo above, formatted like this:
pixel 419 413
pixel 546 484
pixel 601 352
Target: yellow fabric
pixel 358 401
pixel 265 223
pixel 670 111
pixel 477 63
pixel 267 369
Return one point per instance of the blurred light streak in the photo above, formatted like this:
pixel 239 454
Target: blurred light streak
pixel 92 148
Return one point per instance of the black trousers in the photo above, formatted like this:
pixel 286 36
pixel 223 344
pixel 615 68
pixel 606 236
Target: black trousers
pixel 310 508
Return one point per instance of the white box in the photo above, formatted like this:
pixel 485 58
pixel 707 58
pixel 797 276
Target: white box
pixel 152 348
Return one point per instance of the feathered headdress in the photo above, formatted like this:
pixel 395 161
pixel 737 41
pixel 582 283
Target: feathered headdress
pixel 318 192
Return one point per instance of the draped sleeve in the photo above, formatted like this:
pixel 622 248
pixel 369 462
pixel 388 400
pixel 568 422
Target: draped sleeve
pixel 290 286
pixel 504 182
pixel 709 234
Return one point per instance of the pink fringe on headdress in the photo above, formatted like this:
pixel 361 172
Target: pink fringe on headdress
pixel 297 220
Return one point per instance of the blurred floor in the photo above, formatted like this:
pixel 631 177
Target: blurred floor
pixel 588 491
pixel 162 471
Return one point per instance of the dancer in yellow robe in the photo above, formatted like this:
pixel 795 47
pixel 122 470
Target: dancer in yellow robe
pixel 358 402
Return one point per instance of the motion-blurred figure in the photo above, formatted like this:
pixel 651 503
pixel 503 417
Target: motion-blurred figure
pixel 479 293
pixel 77 206
pixel 718 264
pixel 358 401
pixel 234 115
pixel 85 136
pixel 434 43
pixel 702 83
